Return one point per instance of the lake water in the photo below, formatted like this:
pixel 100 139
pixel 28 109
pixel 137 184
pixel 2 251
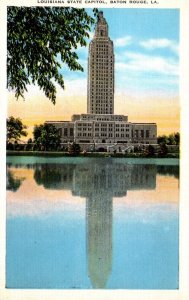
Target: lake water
pixel 85 223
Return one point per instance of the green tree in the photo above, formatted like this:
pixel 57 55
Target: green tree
pixel 29 145
pixel 171 139
pixel 36 38
pixel 177 138
pixel 163 150
pixel 15 129
pixel 162 139
pixel 150 151
pixel 46 137
pixel 74 149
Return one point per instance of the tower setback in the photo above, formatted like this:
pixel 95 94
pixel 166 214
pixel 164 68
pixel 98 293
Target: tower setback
pixel 100 92
pixel 100 129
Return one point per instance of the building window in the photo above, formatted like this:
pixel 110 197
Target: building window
pixel 60 131
pixel 65 131
pixel 147 133
pixel 71 132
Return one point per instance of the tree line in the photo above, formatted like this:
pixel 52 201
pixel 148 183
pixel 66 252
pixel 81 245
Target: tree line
pixel 171 139
pixel 45 136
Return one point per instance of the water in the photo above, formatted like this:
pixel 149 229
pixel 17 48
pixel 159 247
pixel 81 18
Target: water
pixel 85 223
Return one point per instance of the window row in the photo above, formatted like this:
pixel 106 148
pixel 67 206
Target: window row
pixel 142 133
pixel 67 132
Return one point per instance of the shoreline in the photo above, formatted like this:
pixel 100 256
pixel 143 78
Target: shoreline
pixel 87 154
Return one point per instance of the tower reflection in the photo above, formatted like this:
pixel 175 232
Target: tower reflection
pixel 99 239
pixel 99 182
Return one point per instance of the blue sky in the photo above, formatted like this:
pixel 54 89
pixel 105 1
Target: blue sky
pixel 146 46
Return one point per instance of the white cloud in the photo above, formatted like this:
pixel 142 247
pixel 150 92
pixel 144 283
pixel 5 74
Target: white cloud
pixel 75 87
pixel 81 49
pixel 152 44
pixel 124 41
pixel 83 61
pixel 133 83
pixel 91 34
pixel 146 63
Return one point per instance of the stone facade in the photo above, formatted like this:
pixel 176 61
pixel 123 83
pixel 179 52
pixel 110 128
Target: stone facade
pixel 100 92
pixel 100 128
pixel 66 129
pixel 144 133
pixel 108 131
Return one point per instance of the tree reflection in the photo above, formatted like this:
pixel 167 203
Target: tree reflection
pixel 13 183
pixel 99 182
pixel 168 171
pixel 54 176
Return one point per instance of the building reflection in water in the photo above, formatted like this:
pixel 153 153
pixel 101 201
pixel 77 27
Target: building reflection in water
pixel 99 182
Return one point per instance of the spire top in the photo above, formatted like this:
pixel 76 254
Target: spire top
pixel 101 29
pixel 100 14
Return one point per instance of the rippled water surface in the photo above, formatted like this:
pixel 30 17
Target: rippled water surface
pixel 84 223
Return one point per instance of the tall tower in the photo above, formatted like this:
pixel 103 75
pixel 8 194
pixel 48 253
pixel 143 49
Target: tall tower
pixel 100 92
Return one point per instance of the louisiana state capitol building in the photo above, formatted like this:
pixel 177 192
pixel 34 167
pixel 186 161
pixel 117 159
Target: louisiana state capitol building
pixel 100 128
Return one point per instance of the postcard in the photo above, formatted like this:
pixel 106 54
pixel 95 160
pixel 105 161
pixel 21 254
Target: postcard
pixel 94 146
